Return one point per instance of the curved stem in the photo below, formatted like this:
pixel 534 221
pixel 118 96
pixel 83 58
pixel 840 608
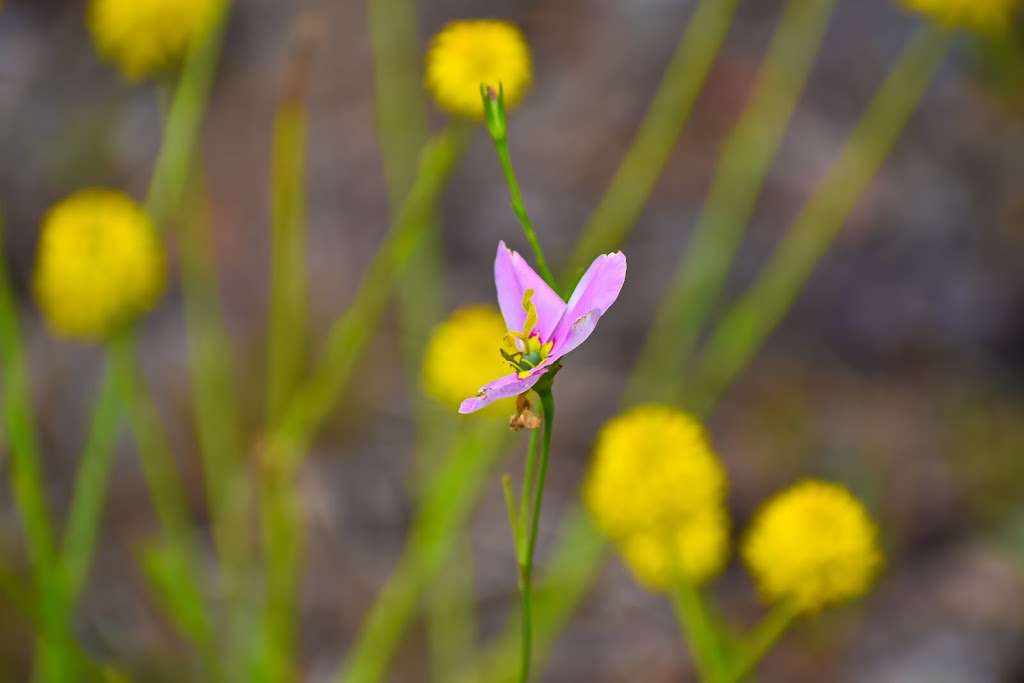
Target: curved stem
pixel 762 640
pixel 700 633
pixel 526 568
pixel 519 207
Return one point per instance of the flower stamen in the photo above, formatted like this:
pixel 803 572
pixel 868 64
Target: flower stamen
pixel 524 350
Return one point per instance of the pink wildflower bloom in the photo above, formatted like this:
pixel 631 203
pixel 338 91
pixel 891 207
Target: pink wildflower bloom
pixel 542 327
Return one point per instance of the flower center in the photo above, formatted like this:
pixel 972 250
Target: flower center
pixel 524 350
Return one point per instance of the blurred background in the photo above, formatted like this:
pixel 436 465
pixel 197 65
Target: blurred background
pixel 900 370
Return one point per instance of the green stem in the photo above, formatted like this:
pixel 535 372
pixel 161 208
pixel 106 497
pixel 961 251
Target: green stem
pixel 526 567
pixel 519 208
pixel 655 139
pixel 168 183
pixel 449 496
pixel 287 256
pixel 351 332
pixel 744 162
pixel 79 538
pixel 27 480
pixel 285 550
pixel 213 382
pixel 762 640
pixel 699 631
pixel 755 315
pixel 177 561
pixel 525 496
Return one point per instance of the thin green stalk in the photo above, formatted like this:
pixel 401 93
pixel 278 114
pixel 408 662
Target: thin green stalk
pixel 570 571
pixel 284 554
pixel 526 568
pixel 655 139
pixel 401 133
pixel 580 538
pixel 755 315
pixel 448 499
pixel 287 255
pixel 762 640
pixel 451 615
pixel 90 491
pixel 168 183
pixel 27 480
pixel 700 633
pixel 175 563
pixel 215 405
pixel 525 496
pixel 314 399
pixel 519 208
pixel 744 162
pixel 351 332
pixel 281 511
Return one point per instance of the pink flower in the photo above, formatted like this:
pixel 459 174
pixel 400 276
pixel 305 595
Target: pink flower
pixel 542 327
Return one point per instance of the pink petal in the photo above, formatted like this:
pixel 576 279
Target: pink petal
pixel 513 276
pixel 579 330
pixel 503 387
pixel 596 292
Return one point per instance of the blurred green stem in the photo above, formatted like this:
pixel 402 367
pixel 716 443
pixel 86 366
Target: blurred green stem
pixel 287 255
pixel 179 557
pixel 448 498
pixel 744 161
pixel 700 633
pixel 79 538
pixel 346 341
pixel 762 640
pixel 168 183
pixel 27 480
pixel 401 133
pixel 350 333
pixel 755 315
pixel 656 138
pixel 86 512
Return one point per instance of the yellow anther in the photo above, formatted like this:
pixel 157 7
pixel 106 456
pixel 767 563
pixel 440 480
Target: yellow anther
pixel 531 313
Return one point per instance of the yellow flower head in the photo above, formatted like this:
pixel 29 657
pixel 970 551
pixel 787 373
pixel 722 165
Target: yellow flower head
pixel 985 15
pixel 466 54
pixel 695 551
pixel 100 263
pixel 652 471
pixel 142 37
pixel 460 357
pixel 813 544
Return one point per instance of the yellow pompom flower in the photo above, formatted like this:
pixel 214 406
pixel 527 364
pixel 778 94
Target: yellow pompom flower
pixel 462 356
pixel 652 469
pixel 99 264
pixel 143 37
pixel 657 490
pixel 814 545
pixel 466 54
pixel 695 551
pixel 990 15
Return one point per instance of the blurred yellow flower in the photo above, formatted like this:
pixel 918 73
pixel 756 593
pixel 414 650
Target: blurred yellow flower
pixel 99 264
pixel 656 488
pixel 652 470
pixel 462 355
pixel 813 544
pixel 142 37
pixel 978 14
pixel 695 551
pixel 466 54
